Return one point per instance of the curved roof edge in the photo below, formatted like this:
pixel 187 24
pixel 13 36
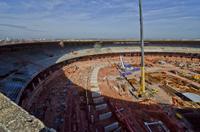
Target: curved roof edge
pixel 125 41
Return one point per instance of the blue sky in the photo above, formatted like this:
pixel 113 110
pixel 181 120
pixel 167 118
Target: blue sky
pixel 163 19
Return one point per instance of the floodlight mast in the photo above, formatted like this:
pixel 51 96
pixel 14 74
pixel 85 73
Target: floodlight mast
pixel 141 90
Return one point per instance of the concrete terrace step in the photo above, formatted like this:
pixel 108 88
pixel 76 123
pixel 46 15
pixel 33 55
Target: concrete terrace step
pixel 95 90
pixel 101 107
pixel 100 125
pixel 96 94
pixel 112 127
pixel 105 116
pixel 94 83
pixel 22 74
pixel 98 100
pixel 102 111
pixel 12 89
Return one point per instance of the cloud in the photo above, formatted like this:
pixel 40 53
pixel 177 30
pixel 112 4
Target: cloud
pixel 43 4
pixel 20 27
pixel 89 17
pixel 14 26
pixel 4 5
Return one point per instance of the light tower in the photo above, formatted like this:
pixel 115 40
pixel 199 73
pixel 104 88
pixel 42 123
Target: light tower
pixel 141 90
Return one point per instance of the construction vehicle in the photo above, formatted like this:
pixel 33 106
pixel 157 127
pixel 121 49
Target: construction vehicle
pixel 126 66
pixel 196 77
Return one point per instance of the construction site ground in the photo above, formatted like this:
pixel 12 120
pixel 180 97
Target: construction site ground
pixel 92 95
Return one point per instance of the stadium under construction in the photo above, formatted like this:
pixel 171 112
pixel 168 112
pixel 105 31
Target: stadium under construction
pixel 92 85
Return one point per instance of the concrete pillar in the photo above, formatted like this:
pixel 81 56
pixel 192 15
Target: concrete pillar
pixel 33 85
pixel 89 108
pixel 39 80
pixel 92 119
pixel 50 72
pixel 87 100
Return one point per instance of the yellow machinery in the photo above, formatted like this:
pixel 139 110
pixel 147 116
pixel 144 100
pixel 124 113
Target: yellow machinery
pixel 197 77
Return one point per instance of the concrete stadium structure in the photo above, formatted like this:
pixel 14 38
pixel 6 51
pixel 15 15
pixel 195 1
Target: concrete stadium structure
pixel 23 64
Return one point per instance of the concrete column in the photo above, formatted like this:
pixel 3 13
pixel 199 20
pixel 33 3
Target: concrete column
pixel 39 80
pixel 33 85
pixel 89 108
